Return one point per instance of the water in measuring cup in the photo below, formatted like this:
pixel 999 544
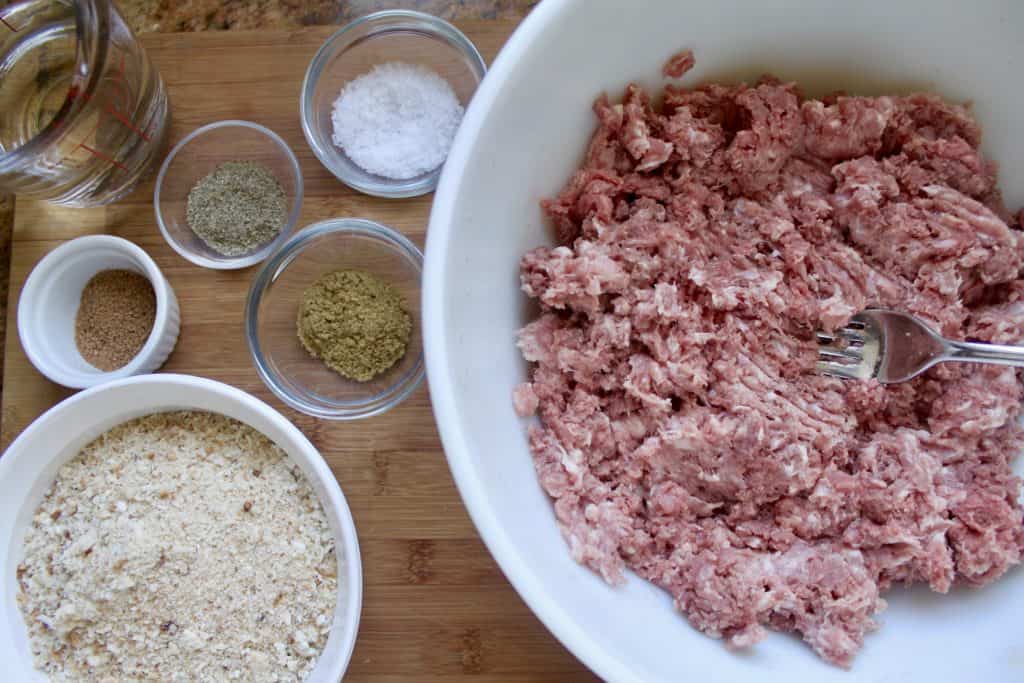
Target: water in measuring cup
pixel 36 75
pixel 103 128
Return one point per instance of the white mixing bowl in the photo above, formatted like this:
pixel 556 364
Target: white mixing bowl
pixel 28 467
pixel 522 137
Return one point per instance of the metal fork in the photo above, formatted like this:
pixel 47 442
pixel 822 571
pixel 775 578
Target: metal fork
pixel 894 347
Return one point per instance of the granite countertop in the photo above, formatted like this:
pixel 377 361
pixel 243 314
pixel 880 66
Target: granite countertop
pixel 204 15
pixel 146 16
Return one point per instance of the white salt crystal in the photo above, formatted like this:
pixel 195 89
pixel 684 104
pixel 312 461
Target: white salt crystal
pixel 396 121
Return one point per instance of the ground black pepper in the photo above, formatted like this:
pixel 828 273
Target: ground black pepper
pixel 238 208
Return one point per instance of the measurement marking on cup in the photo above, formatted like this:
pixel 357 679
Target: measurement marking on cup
pixel 105 157
pixel 95 152
pixel 121 80
pixel 118 87
pixel 124 120
pixel 87 136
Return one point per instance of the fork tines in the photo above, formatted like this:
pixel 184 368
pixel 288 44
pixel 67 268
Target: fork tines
pixel 841 354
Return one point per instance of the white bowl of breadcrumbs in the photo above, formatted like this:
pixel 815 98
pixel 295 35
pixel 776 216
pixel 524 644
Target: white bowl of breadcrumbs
pixel 173 528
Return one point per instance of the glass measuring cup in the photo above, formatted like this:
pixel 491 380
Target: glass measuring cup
pixel 83 112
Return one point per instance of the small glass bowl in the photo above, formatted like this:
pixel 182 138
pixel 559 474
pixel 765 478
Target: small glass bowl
pixel 271 315
pixel 203 150
pixel 353 50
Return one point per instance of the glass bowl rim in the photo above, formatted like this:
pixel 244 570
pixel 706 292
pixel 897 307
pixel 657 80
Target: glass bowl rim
pixel 277 264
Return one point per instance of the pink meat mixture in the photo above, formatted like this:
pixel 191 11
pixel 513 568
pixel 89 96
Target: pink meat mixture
pixel 682 432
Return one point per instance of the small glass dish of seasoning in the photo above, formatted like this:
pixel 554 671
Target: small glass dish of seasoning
pixel 96 309
pixel 228 195
pixel 383 98
pixel 333 319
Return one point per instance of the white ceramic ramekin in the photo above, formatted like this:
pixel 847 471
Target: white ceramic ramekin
pixel 49 303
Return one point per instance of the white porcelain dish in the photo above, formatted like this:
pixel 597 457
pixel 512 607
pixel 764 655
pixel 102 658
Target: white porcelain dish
pixel 28 467
pixel 523 136
pixel 49 304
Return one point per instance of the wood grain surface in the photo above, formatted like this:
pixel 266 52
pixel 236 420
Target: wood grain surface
pixel 436 608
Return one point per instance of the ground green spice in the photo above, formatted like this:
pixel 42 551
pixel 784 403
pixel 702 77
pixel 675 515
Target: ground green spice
pixel 355 323
pixel 238 208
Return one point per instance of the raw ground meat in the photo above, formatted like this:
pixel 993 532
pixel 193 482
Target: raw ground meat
pixel 678 64
pixel 682 432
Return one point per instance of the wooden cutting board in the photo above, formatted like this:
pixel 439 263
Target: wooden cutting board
pixel 436 608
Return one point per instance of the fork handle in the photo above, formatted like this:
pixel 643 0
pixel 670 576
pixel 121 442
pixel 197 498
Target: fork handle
pixel 996 354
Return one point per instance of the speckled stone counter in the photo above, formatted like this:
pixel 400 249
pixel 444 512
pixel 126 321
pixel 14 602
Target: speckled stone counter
pixel 205 15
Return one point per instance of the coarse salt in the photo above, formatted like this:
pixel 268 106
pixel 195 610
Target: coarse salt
pixel 396 121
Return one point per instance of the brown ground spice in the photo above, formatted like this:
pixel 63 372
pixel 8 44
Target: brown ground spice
pixel 115 316
pixel 355 323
